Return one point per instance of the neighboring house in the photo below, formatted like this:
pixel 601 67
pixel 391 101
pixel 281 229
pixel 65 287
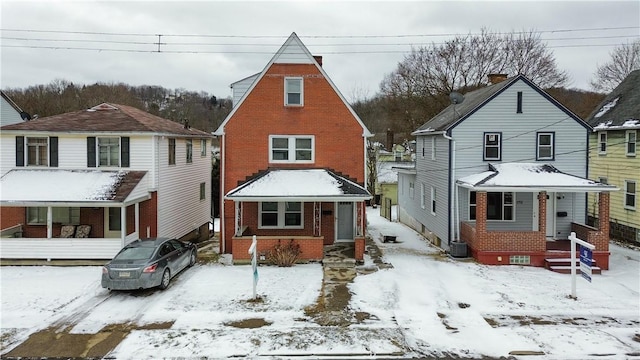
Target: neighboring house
pixel 614 156
pixel 398 153
pixel 106 176
pixel 10 113
pixel 503 175
pixel 292 160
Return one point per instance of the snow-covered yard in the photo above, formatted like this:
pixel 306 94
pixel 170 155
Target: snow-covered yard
pixel 426 305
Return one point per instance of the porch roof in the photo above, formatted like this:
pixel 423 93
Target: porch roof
pixel 56 187
pixel 530 177
pixel 299 185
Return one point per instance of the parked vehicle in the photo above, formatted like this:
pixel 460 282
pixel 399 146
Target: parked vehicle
pixel 147 263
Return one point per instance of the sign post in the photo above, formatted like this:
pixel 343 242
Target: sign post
pixel 588 254
pixel 253 251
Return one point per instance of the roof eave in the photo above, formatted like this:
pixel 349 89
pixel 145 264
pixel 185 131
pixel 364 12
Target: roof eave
pixel 526 188
pixel 327 198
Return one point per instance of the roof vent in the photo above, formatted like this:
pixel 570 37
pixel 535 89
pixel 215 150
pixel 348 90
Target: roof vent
pixel 103 107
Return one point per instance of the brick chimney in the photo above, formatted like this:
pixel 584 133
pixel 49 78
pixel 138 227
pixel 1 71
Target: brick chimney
pixel 496 78
pixel 389 143
pixel 318 59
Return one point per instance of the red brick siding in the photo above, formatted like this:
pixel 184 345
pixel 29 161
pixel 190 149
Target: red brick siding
pixel 11 216
pixel 339 144
pixel 311 248
pixel 359 245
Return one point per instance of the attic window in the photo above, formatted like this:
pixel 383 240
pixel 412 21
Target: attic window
pixel 293 91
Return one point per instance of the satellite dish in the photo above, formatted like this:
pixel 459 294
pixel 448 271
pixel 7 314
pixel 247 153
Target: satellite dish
pixel 456 98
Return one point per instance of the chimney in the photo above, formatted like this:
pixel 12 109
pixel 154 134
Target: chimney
pixel 318 59
pixel 389 144
pixel 496 78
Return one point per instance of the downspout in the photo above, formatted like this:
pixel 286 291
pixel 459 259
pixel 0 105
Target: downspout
pixel 455 225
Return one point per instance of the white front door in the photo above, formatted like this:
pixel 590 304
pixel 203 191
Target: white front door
pixel 112 222
pixel 345 223
pixel 551 216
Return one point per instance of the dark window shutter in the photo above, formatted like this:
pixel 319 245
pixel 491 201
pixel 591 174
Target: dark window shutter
pixel 53 151
pixel 519 103
pixel 91 151
pixel 19 150
pixel 124 151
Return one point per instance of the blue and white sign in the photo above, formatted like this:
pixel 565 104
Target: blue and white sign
pixel 586 260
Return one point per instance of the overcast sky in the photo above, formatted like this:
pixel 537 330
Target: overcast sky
pixel 227 41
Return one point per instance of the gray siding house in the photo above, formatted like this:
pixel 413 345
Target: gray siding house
pixel 502 172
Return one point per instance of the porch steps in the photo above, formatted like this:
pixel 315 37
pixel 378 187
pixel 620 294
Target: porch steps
pixel 563 265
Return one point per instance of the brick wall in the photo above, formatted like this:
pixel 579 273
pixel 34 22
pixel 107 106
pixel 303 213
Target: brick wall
pixel 11 216
pixel 311 248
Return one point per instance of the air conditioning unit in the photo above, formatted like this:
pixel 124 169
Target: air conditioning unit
pixel 458 249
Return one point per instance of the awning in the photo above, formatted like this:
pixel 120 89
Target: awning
pixel 77 188
pixel 299 185
pixel 530 177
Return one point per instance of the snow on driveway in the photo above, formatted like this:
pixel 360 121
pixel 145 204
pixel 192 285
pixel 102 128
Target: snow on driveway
pixel 427 304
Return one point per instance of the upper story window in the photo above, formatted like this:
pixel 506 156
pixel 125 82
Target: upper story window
pixel 109 151
pixel 492 146
pixel 203 147
pixel 203 193
pixel 291 149
pixel 545 146
pixel 189 150
pixel 281 215
pixel 433 147
pixel 172 151
pixel 602 141
pixel 424 145
pixel 631 142
pixel 398 155
pixel 630 194
pixel 293 91
pixel 37 151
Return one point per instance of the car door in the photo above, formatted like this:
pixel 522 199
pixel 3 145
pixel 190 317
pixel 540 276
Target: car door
pixel 172 257
pixel 183 256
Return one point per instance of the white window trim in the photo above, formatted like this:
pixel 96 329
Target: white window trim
pixel 539 146
pixel 292 149
pixel 600 142
pixel 281 213
pixel 98 151
pixel 635 142
pixel 433 148
pixel 286 92
pixel 26 151
pixel 499 146
pixel 635 195
pixel 433 201
pixel 423 200
pixel 203 147
pixel 188 151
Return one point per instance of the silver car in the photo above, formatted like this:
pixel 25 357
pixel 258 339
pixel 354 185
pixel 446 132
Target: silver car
pixel 148 263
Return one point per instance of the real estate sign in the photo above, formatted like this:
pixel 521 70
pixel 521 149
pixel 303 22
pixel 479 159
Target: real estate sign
pixel 586 259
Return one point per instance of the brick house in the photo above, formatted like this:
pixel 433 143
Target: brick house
pixel 502 173
pixel 292 160
pixel 83 184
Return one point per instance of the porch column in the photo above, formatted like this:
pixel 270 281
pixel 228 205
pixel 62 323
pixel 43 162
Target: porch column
pixel 137 216
pixel 542 213
pixel 49 222
pixel 481 221
pixel 123 224
pixel 602 240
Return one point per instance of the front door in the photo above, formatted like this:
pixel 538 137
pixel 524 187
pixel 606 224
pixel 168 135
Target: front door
pixel 551 216
pixel 345 222
pixel 112 222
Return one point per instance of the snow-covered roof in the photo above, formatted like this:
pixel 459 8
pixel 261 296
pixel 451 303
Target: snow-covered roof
pixel 49 186
pixel 388 170
pixel 530 177
pixel 620 110
pixel 299 185
pixel 627 125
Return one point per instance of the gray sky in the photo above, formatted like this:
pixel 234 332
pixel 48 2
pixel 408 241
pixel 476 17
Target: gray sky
pixel 360 41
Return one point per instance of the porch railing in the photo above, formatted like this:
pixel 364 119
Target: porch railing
pixel 59 248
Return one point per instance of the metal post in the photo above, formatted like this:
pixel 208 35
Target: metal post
pixel 253 251
pixel 575 240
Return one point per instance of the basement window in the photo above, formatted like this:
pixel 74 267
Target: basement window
pixel 520 260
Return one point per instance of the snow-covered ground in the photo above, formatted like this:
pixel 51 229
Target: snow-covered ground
pixel 426 305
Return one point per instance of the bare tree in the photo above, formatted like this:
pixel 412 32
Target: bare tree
pixel 624 59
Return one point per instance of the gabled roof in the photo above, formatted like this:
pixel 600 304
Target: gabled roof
pixel 530 177
pixel 299 185
pixel 620 110
pixel 107 118
pixel 293 51
pixel 13 104
pixel 454 114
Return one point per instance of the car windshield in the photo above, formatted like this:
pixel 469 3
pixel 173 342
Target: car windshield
pixel 135 253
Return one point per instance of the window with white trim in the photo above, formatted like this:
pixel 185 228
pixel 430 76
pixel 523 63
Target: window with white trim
pixel 500 206
pixel 61 215
pixel 203 193
pixel 172 151
pixel 602 141
pixel 37 150
pixel 109 151
pixel 189 150
pixel 203 147
pixel 280 215
pixel 545 146
pixel 631 142
pixel 293 91
pixel 423 196
pixel 291 149
pixel 492 146
pixel 433 200
pixel 630 194
pixel 433 148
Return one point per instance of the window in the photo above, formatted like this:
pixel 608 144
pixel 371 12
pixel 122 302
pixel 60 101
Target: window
pixel 631 143
pixel 280 215
pixel 411 190
pixel 492 144
pixel 61 215
pixel 602 138
pixel 37 150
pixel 109 151
pixel 630 194
pixel 545 146
pixel 189 151
pixel 292 149
pixel 203 147
pixel 293 92
pixel 36 215
pixel 424 145
pixel 433 200
pixel 499 206
pixel 397 155
pixel 423 196
pixel 520 260
pixel 202 191
pixel 433 148
pixel 519 103
pixel 114 219
pixel 172 151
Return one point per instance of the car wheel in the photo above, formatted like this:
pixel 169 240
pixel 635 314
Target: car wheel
pixel 166 279
pixel 192 259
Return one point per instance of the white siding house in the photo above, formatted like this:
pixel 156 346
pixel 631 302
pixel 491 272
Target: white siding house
pixel 113 170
